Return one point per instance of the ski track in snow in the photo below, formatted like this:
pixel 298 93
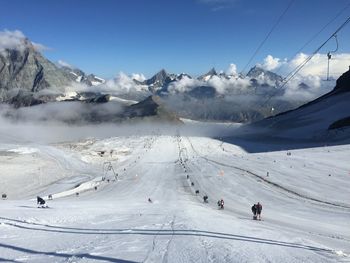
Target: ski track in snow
pixel 267 181
pixel 116 223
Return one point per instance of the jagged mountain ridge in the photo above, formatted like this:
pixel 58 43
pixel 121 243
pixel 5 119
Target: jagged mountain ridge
pixel 80 76
pixel 204 101
pixel 257 72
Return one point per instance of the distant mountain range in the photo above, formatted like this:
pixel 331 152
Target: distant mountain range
pixel 27 78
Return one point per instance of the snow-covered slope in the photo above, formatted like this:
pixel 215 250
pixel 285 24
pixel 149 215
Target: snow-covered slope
pixel 316 118
pixel 305 214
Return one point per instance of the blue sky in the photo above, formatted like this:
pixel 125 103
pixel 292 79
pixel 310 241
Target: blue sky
pixel 143 36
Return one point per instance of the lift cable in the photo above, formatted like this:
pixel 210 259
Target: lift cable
pixel 302 64
pixel 298 68
pixel 319 32
pixel 267 36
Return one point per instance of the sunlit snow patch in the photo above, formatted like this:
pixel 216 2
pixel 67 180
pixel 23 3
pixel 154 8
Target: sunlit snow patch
pixel 341 253
pixel 24 150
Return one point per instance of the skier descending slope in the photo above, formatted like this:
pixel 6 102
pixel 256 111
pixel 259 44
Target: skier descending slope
pixel 40 202
pixel 205 199
pixel 221 204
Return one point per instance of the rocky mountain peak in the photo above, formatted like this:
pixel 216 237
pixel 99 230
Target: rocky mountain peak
pixel 158 77
pixel 257 71
pixel 212 72
pixel 24 68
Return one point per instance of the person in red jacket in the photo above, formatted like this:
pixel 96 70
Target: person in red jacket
pixel 222 203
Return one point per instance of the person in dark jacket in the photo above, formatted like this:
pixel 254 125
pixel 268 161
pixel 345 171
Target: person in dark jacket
pixel 254 208
pixel 40 201
pixel 205 199
pixel 258 210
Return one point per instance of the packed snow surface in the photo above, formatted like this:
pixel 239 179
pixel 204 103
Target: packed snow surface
pixel 100 210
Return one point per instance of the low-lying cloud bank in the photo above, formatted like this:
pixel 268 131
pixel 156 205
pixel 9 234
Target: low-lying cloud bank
pixel 50 123
pixel 63 112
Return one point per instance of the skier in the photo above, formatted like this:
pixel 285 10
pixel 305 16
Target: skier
pixel 221 204
pixel 205 199
pixel 149 200
pixel 258 210
pixel 254 207
pixel 40 202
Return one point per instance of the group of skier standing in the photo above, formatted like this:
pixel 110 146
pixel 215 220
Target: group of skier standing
pixel 256 209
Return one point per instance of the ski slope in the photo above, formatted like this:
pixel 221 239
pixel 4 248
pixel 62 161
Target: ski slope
pixel 305 198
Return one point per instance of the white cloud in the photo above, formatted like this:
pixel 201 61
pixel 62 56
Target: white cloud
pixel 313 74
pixel 221 85
pixel 232 70
pixel 121 84
pixel 138 77
pixel 40 47
pixel 11 40
pixel 62 63
pixel 317 66
pixel 184 85
pixel 271 63
pixel 231 85
pixel 18 41
pixel 316 86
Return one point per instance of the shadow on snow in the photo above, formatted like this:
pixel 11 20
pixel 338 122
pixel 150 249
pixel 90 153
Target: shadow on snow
pixel 156 232
pixel 62 255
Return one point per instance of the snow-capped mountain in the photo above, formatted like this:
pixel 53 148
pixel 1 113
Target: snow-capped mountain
pixel 27 78
pixel 207 76
pixel 26 71
pixel 80 76
pixel 159 81
pixel 257 72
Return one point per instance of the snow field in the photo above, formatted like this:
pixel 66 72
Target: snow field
pixel 305 211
